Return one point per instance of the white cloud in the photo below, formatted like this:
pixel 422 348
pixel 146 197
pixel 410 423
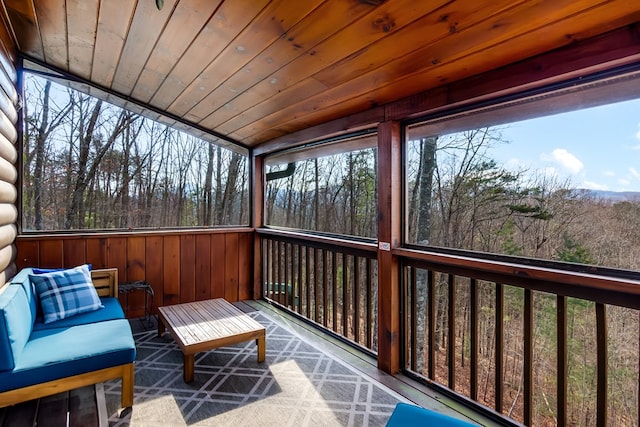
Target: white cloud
pixel 609 173
pixel 634 173
pixel 624 182
pixel 565 159
pixel 594 186
pixel 636 147
pixel 638 133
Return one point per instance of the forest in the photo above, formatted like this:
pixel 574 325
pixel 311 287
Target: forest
pixel 88 164
pixel 91 165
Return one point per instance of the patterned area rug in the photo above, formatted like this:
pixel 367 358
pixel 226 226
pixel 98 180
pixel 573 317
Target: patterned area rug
pixel 298 385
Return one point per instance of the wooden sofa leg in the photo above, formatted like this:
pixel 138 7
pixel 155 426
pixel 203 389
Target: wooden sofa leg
pixel 127 386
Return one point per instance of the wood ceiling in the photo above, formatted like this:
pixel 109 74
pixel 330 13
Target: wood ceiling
pixel 255 70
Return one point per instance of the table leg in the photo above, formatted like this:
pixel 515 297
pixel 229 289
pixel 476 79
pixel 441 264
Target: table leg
pixel 262 348
pixel 188 367
pixel 161 327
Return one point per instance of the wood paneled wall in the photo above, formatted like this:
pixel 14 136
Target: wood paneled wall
pixel 8 154
pixel 181 266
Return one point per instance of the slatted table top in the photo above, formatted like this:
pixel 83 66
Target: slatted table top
pixel 203 325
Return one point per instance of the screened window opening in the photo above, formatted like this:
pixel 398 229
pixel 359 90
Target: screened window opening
pixel 563 186
pixel 88 164
pixel 329 188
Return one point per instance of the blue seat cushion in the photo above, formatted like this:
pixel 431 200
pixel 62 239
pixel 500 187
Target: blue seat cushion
pixel 52 354
pixel 111 311
pixel 409 415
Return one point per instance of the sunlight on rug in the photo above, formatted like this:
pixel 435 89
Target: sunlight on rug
pixel 297 385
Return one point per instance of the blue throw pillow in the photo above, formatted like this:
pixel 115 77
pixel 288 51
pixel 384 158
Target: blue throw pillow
pixel 66 293
pixel 51 270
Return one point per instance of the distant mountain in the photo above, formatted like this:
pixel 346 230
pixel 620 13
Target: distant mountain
pixel 615 196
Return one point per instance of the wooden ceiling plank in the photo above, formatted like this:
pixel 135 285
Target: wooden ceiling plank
pixel 246 108
pixel 272 23
pixel 82 21
pixel 52 19
pixel 146 27
pixel 450 21
pixel 302 37
pixel 22 16
pixel 186 23
pixel 7 43
pixel 319 108
pixel 113 25
pixel 384 21
pixel 230 19
pixel 502 27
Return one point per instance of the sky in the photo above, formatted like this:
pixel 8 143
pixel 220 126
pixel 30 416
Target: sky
pixel 596 148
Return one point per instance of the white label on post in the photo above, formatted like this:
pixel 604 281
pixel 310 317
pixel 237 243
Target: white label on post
pixel 384 246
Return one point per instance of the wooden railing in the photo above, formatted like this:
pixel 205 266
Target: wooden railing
pixel 524 344
pixel 530 343
pixel 331 282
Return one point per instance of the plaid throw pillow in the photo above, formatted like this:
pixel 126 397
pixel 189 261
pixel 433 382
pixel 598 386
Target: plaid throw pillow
pixel 66 293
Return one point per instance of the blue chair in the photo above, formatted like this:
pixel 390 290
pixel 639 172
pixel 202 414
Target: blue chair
pixel 409 415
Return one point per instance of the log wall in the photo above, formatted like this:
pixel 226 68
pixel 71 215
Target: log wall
pixel 8 154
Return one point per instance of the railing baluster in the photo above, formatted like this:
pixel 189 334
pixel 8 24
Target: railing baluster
pixel 268 269
pixel 297 289
pixel 451 338
pixel 413 348
pixel 325 298
pixel 474 339
pixel 356 299
pixel 345 295
pixel 602 353
pixel 334 290
pixel 528 357
pixel 317 279
pixel 275 286
pixel 286 276
pixel 561 343
pixel 499 377
pixel 432 324
pixel 368 325
pixel 307 261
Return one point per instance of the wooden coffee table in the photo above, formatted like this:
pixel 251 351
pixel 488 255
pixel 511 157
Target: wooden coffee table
pixel 205 325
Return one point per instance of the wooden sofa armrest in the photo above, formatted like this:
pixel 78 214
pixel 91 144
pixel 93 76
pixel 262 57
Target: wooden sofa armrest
pixel 105 281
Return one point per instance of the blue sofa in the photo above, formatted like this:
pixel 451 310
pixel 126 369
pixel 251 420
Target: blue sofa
pixel 38 359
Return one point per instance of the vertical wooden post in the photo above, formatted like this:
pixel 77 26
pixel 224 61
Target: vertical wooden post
pixel 257 220
pixel 561 343
pixel 389 234
pixel 602 350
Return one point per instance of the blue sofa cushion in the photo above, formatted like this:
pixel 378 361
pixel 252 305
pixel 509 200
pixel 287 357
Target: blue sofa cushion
pixel 409 415
pixel 15 325
pixel 66 293
pixel 52 354
pixel 111 311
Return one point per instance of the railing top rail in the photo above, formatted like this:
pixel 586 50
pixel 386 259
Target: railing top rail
pixel 598 288
pixel 323 242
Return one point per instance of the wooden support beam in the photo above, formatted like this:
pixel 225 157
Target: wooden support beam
pixel 257 220
pixel 389 232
